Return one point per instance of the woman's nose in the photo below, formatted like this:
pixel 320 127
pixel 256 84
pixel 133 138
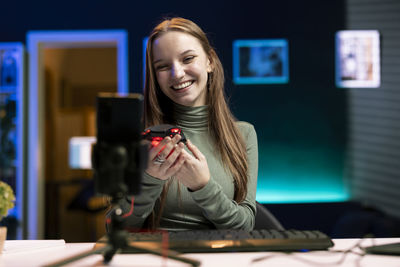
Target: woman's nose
pixel 177 71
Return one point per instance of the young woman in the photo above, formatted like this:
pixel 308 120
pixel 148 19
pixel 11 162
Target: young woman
pixel 211 181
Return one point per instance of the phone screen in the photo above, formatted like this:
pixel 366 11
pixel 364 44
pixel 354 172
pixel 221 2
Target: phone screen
pixel 119 156
pixel 119 118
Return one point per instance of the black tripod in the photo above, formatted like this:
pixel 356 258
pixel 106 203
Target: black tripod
pixel 115 161
pixel 117 239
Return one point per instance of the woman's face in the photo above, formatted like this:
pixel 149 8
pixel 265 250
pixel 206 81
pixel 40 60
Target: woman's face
pixel 182 68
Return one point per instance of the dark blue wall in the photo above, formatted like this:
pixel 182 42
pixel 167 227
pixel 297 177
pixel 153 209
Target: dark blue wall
pixel 301 125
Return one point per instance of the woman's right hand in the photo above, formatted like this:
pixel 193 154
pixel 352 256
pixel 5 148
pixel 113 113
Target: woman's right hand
pixel 166 158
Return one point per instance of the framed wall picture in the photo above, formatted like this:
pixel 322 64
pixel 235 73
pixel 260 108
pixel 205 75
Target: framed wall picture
pixel 357 59
pixel 260 61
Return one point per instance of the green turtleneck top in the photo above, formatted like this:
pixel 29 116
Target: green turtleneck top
pixel 212 206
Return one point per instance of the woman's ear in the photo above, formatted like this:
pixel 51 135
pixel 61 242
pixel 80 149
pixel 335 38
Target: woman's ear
pixel 210 66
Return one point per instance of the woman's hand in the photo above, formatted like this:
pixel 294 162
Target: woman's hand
pixel 166 158
pixel 194 172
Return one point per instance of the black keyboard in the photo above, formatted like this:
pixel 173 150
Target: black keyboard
pixel 233 240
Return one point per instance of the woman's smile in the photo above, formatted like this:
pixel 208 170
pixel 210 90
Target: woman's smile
pixel 182 85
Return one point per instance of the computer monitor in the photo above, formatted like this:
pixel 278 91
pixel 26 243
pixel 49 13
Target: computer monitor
pixel 80 151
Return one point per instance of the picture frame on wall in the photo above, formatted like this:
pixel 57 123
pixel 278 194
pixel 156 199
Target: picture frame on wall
pixel 264 61
pixel 357 59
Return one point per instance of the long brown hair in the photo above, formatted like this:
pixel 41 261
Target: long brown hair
pixel 221 123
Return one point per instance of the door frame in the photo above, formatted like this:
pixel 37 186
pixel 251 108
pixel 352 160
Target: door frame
pixel 37 41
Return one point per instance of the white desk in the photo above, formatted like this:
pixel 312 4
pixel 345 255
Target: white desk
pixel 41 257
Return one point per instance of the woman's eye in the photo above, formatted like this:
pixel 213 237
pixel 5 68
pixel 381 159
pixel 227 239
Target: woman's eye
pixel 188 59
pixel 161 67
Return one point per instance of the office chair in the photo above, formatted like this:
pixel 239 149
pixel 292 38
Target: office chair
pixel 265 219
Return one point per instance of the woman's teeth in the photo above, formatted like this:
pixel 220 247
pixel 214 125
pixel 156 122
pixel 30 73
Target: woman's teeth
pixel 182 85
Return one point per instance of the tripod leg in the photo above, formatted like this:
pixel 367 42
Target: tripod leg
pixel 108 254
pixel 77 257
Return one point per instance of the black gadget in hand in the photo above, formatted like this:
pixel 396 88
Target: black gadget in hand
pixel 155 134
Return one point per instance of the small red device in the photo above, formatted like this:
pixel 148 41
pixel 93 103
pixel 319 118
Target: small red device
pixel 155 134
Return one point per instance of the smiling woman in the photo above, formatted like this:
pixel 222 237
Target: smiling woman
pixel 182 68
pixel 211 182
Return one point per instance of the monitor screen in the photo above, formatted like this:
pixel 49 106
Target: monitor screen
pixel 260 61
pixel 357 59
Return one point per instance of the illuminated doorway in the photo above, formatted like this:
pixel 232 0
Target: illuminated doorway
pixel 66 70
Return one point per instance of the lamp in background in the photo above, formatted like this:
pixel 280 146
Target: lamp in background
pixel 80 151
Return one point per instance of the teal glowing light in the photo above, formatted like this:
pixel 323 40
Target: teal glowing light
pixel 280 194
pixel 300 175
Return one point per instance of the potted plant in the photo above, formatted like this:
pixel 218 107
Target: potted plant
pixel 7 199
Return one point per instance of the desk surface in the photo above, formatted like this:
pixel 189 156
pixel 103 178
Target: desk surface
pixel 40 257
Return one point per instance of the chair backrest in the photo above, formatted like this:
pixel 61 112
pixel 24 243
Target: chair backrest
pixel 265 219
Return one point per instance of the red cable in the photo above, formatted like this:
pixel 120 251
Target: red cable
pixel 131 211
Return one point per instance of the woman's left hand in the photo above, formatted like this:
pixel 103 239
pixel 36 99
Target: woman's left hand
pixel 194 173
